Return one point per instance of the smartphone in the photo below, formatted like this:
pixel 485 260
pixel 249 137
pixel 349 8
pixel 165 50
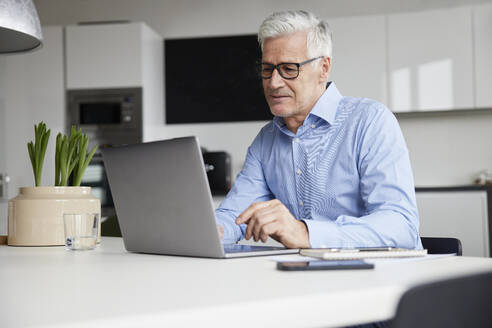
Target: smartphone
pixel 324 265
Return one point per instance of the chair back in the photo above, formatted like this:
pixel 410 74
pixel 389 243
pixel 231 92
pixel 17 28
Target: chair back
pixel 455 303
pixel 440 245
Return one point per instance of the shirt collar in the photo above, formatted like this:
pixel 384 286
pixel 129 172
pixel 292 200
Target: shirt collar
pixel 278 121
pixel 327 104
pixel 325 107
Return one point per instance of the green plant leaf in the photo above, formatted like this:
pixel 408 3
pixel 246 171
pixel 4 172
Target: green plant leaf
pixel 44 144
pixel 57 159
pixel 30 149
pixel 86 163
pixel 83 142
pixel 37 150
pixel 37 145
pixel 63 161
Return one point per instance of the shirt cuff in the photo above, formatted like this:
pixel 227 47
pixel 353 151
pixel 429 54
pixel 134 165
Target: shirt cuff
pixel 232 232
pixel 323 234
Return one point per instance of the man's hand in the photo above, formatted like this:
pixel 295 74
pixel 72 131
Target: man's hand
pixel 221 231
pixel 273 219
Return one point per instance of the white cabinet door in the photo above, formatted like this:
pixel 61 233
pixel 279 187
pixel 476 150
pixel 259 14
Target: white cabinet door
pixel 359 56
pixel 31 90
pixel 103 56
pixel 482 27
pixel 461 215
pixel 430 60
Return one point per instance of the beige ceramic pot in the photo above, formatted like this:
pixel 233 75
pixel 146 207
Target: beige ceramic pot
pixel 36 215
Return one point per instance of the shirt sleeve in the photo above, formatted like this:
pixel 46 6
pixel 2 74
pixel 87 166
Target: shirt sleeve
pixel 386 189
pixel 249 187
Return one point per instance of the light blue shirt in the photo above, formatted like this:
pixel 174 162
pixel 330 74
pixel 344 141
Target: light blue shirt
pixel 346 173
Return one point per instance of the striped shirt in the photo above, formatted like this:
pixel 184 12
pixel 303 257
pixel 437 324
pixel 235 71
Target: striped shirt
pixel 346 173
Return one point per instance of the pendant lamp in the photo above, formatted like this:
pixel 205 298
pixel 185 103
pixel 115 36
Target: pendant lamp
pixel 20 30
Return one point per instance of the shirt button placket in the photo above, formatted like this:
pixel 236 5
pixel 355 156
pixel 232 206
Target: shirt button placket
pixel 296 145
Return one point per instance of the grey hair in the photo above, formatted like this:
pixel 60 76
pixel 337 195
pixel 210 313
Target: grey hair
pixel 319 41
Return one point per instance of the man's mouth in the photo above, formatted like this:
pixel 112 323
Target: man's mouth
pixel 279 96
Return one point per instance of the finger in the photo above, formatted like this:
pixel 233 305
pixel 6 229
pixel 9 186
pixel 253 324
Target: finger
pixel 263 219
pixel 268 229
pixel 261 216
pixel 257 219
pixel 249 228
pixel 245 216
pixel 252 222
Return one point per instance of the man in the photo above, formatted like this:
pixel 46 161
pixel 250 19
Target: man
pixel 328 171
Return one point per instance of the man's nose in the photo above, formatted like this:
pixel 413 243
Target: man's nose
pixel 276 80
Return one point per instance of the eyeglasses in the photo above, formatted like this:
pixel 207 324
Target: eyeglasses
pixel 288 71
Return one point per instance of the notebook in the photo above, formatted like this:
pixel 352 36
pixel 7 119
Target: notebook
pixel 361 253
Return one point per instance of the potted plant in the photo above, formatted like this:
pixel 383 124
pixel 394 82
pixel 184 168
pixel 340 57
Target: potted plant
pixel 35 216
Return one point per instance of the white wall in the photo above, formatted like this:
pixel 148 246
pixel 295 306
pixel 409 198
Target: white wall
pixel 31 90
pixel 450 149
pixel 445 150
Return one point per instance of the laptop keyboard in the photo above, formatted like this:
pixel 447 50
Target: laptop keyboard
pixel 235 248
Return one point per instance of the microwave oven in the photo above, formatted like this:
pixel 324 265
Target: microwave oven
pixel 107 116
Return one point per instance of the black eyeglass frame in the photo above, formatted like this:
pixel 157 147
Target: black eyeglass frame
pixel 276 67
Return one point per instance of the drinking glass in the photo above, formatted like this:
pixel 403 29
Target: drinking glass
pixel 81 230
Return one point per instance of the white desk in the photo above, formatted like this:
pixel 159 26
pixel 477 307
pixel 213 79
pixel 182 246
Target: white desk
pixel 108 287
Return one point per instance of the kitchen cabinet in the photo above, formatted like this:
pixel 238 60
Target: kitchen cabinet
pixel 461 213
pixel 482 27
pixel 31 90
pixel 103 55
pixel 430 60
pixel 359 56
pixel 118 56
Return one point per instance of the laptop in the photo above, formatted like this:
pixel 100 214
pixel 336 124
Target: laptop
pixel 164 204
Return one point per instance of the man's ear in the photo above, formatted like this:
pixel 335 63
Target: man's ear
pixel 325 69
